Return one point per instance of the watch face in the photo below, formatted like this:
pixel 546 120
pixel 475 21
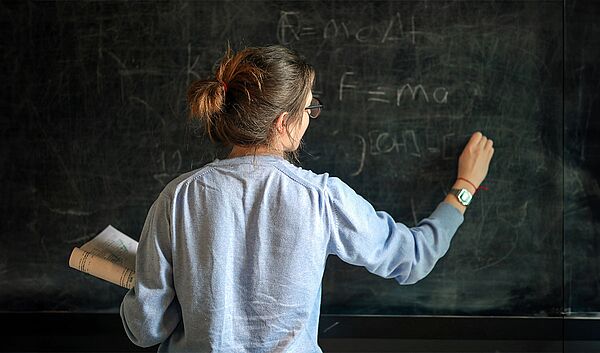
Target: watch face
pixel 464 196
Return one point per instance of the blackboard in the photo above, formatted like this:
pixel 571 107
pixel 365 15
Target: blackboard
pixel 98 125
pixel 582 161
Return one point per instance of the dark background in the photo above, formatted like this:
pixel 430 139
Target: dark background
pixel 96 125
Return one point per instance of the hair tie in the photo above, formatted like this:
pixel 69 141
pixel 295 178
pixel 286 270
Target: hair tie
pixel 224 86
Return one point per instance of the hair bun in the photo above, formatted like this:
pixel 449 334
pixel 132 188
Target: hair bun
pixel 206 100
pixel 248 91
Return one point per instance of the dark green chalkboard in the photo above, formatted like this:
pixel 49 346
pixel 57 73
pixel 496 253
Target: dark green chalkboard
pixel 97 125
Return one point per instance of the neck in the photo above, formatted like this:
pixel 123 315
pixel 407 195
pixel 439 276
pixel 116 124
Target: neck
pixel 240 151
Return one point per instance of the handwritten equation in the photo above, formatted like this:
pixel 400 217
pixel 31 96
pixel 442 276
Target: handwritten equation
pixel 399 94
pixel 293 26
pixel 405 142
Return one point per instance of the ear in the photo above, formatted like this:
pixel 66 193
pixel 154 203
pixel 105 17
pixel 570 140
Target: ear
pixel 280 122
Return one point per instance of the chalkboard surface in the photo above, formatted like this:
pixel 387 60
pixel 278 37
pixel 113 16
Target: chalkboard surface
pixel 98 125
pixel 582 161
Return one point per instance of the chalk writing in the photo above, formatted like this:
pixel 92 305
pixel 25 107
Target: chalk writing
pixel 168 169
pixel 406 142
pixel 295 26
pixel 398 95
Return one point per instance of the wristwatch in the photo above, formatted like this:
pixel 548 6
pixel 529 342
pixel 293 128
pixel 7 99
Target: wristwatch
pixel 463 196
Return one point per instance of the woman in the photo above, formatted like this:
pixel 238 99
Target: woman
pixel 232 255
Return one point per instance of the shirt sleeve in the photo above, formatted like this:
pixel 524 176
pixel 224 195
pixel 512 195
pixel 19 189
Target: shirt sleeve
pixel 150 310
pixel 372 239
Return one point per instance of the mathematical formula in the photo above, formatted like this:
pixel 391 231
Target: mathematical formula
pixel 292 27
pixel 392 94
pixel 380 142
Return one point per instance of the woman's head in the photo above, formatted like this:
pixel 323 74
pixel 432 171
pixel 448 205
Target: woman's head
pixel 255 93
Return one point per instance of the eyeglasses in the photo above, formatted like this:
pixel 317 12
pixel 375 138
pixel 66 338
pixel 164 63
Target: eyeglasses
pixel 314 109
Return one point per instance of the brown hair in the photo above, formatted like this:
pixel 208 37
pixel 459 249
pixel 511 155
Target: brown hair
pixel 250 89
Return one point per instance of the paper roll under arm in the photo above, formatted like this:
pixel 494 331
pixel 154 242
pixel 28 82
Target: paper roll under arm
pixel 104 269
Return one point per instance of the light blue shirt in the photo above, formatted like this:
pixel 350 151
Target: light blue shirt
pixel 232 255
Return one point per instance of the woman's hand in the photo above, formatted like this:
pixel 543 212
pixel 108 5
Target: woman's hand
pixel 473 165
pixel 474 161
